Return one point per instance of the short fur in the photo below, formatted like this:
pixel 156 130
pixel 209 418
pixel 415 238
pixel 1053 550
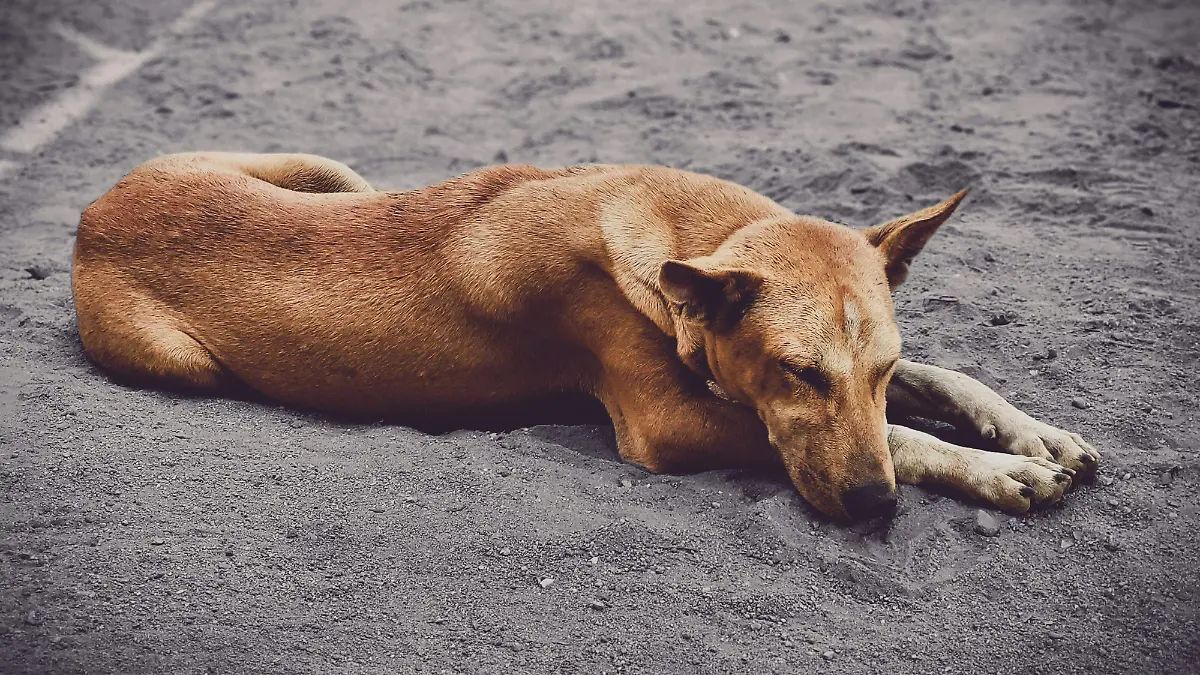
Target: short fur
pixel 511 287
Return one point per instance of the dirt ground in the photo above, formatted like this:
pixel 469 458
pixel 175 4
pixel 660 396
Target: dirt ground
pixel 142 532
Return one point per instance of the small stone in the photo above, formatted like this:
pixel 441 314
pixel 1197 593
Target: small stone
pixel 828 654
pixel 1054 635
pixel 716 505
pixel 33 618
pixel 1051 353
pixel 597 605
pixel 157 541
pixel 504 473
pixel 1112 544
pixel 1126 476
pixel 626 483
pixel 987 523
pixel 546 583
pixel 506 551
pixel 439 621
pixel 377 509
pixel 1106 481
pixel 987 255
pixel 1000 320
pixel 1166 477
pixel 1114 502
pixel 1065 544
pixel 1079 403
pixel 296 424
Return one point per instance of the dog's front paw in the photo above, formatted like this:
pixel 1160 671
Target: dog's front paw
pixel 1021 434
pixel 1015 483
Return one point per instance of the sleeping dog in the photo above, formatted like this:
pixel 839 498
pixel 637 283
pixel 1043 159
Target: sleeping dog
pixel 716 327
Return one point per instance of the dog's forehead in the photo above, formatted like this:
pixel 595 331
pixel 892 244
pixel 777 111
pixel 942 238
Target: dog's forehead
pixel 852 320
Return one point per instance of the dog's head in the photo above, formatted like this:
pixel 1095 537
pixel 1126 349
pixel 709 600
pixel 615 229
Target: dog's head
pixel 793 317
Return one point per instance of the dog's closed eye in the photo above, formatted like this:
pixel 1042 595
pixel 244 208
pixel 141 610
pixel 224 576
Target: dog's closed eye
pixel 808 375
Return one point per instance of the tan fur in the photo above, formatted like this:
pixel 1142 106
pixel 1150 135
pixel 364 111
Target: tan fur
pixel 494 293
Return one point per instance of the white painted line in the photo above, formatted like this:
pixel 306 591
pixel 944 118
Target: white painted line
pixel 88 45
pixel 45 122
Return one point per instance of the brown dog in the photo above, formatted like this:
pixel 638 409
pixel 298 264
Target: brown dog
pixel 716 327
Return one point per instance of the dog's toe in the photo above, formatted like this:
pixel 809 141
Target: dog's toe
pixel 1017 484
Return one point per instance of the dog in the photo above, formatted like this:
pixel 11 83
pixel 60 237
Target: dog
pixel 716 327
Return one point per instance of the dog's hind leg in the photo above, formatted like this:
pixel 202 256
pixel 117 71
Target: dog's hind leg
pixel 137 341
pixel 948 396
pixel 1014 483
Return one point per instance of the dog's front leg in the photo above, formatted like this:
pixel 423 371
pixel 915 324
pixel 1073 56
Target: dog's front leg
pixel 948 396
pixel 1014 483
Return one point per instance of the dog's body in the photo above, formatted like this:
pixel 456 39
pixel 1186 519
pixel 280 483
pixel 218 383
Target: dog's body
pixel 645 287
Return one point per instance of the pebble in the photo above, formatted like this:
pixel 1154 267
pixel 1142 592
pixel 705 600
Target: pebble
pixel 1000 320
pixel 296 424
pixel 1126 476
pixel 157 541
pixel 1166 477
pixel 1106 481
pixel 377 509
pixel 504 473
pixel 33 618
pixel 546 583
pixel 626 483
pixel 987 524
pixel 828 654
pixel 597 604
pixel 1114 502
pixel 1079 403
pixel 1112 544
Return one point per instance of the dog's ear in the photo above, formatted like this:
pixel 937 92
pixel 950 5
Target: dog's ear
pixel 902 239
pixel 713 296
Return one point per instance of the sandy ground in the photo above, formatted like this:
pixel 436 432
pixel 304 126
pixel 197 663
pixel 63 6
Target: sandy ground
pixel 142 532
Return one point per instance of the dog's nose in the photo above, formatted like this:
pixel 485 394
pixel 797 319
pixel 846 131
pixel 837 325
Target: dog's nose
pixel 872 500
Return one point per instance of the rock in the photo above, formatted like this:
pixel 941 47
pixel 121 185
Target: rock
pixel 987 523
pixel 1000 319
pixel 546 582
pixel 506 551
pixel 1079 403
pixel 626 483
pixel 504 473
pixel 828 654
pixel 1114 502
pixel 1112 544
pixel 296 424
pixel 1126 476
pixel 157 541
pixel 1165 478
pixel 33 618
pixel 1106 481
pixel 377 509
pixel 1051 353
pixel 597 605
